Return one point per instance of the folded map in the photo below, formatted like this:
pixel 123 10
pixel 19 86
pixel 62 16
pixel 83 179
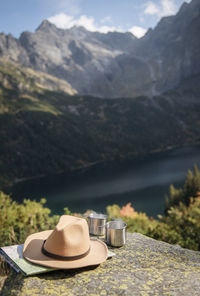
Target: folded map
pixel 14 256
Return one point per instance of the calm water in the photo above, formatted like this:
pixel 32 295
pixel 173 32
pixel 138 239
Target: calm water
pixel 144 183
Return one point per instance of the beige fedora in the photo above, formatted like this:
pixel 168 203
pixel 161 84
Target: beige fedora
pixel 67 246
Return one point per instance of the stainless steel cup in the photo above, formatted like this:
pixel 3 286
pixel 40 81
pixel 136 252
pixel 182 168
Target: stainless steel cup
pixel 116 233
pixel 97 223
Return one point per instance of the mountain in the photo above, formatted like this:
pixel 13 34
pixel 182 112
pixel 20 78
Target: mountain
pixel 46 131
pixel 173 47
pixel 113 64
pixel 75 55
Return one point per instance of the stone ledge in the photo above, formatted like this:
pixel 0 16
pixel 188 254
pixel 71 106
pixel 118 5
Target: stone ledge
pixel 143 266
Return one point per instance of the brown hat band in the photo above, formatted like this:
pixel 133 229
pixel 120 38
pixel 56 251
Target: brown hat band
pixel 67 258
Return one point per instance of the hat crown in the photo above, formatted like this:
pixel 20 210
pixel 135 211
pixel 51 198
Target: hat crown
pixel 69 238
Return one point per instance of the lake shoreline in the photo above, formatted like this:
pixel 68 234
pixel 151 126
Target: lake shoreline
pixel 143 181
pixel 87 166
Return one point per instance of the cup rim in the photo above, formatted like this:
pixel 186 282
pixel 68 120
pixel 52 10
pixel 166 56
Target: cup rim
pixel 123 225
pixel 98 216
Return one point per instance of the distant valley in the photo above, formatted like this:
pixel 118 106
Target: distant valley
pixel 44 132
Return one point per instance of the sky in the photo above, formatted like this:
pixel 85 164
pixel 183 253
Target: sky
pixel 135 16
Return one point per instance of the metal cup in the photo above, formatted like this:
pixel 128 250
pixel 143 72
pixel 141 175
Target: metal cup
pixel 97 223
pixel 116 233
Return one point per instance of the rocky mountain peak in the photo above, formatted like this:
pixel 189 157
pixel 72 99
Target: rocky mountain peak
pixel 46 26
pixel 78 29
pixel 183 7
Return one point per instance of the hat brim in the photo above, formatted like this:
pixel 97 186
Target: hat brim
pixel 33 252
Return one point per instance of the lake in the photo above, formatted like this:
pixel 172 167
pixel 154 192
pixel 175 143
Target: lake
pixel 143 182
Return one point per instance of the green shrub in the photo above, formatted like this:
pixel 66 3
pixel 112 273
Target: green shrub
pixel 17 221
pixel 181 225
pixel 190 189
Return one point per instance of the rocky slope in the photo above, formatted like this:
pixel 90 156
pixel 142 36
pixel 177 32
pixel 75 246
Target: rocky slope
pixel 26 80
pixel 113 64
pixel 44 132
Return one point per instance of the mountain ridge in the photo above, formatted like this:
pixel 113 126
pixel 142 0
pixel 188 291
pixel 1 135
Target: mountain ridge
pixel 113 64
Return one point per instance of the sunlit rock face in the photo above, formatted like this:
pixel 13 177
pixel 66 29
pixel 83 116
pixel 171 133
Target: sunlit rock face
pixel 86 60
pixel 172 49
pixel 113 64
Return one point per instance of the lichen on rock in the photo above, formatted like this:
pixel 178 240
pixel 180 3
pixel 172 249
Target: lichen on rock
pixel 143 266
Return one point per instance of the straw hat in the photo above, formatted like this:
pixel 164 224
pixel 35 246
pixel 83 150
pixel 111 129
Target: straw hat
pixel 67 246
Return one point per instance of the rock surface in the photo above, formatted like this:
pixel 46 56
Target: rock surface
pixel 143 266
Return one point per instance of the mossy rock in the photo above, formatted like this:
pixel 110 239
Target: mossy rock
pixel 143 266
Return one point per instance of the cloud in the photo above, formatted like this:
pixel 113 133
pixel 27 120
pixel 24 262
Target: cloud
pixel 151 8
pixel 106 19
pixel 137 31
pixel 65 21
pixel 164 8
pixel 62 20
